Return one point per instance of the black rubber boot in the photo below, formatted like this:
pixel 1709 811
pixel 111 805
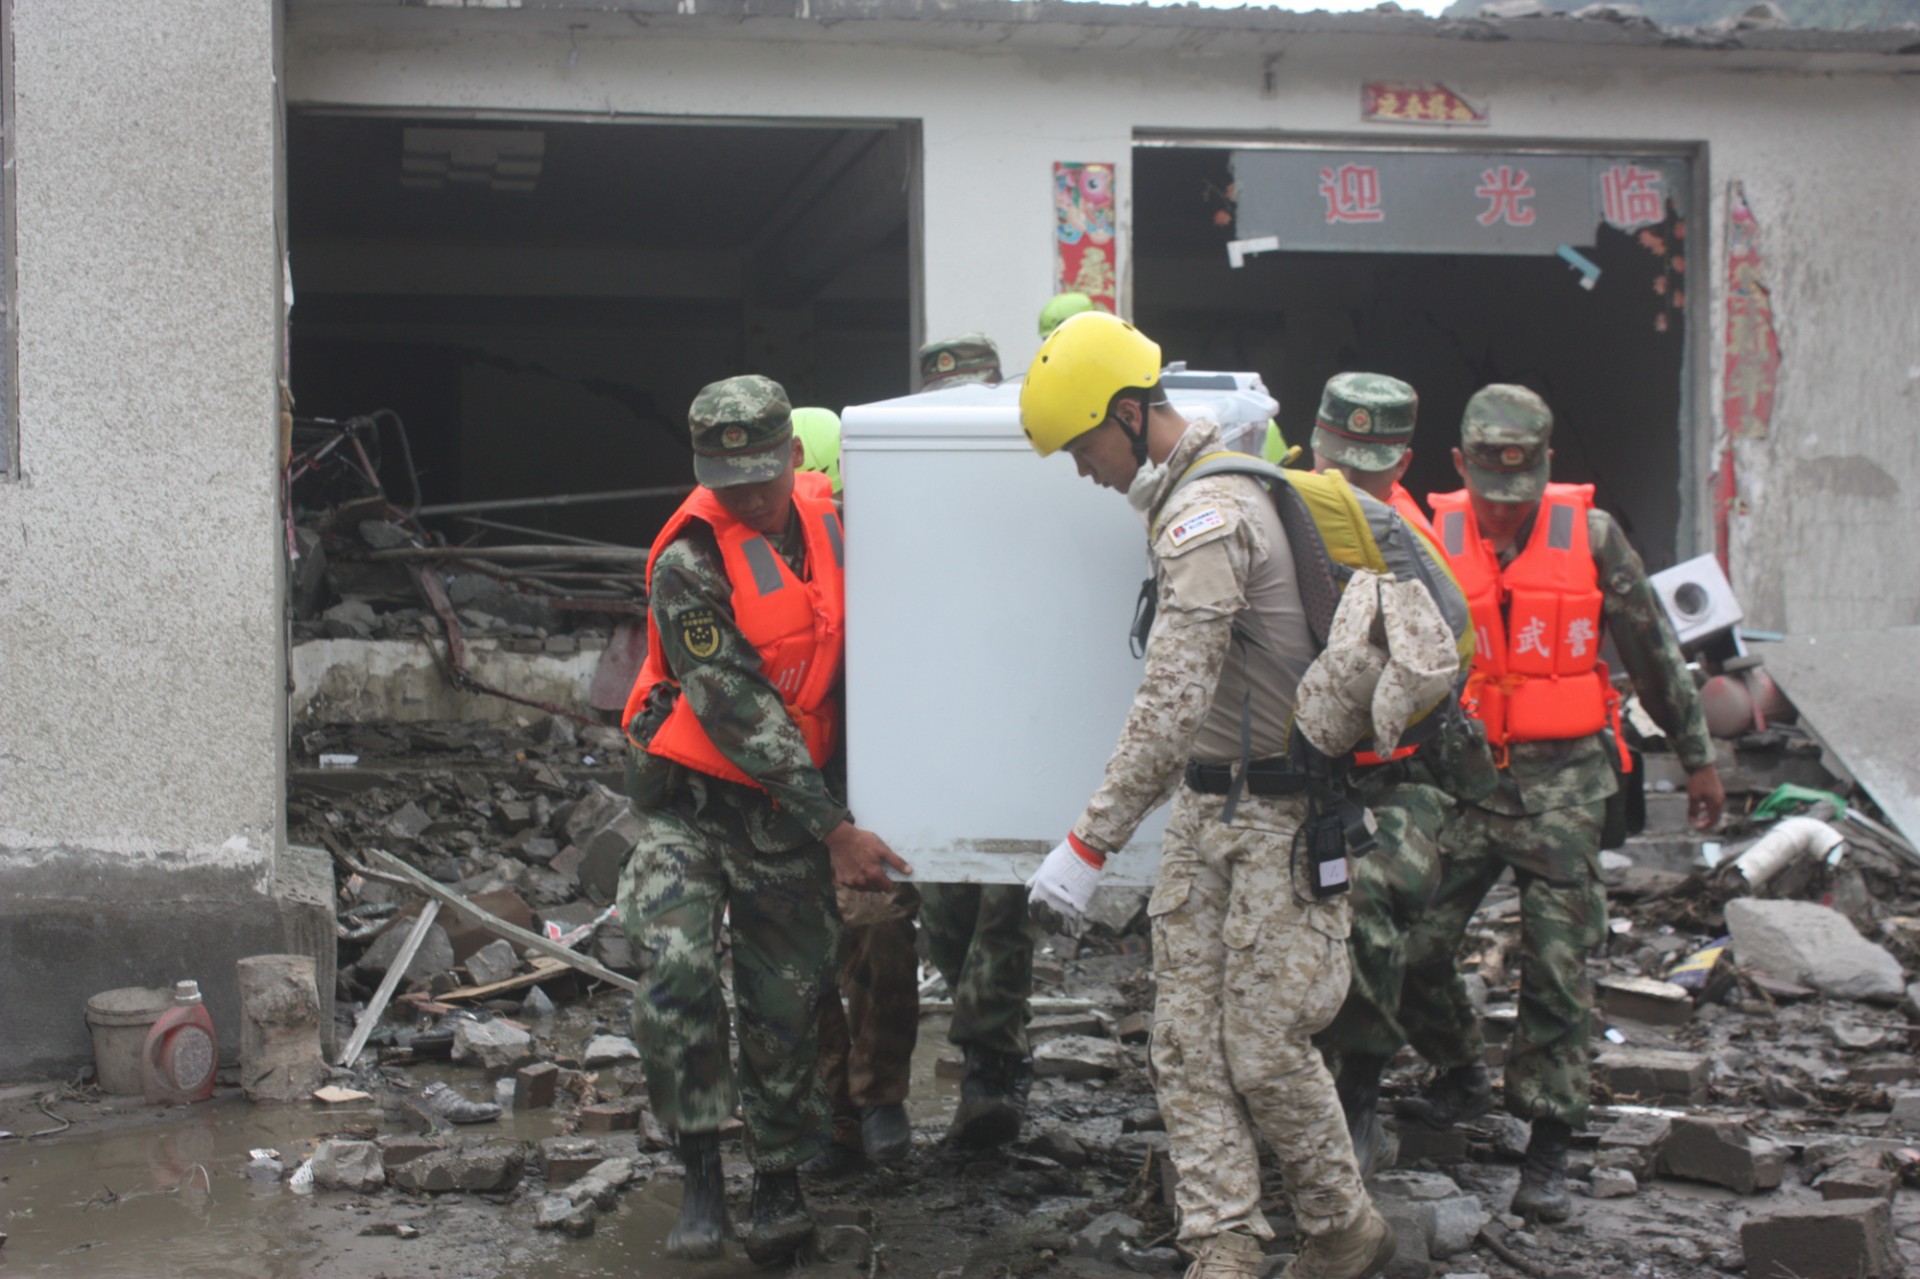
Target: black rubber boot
pixel 835 1160
pixel 1453 1097
pixel 781 1225
pixel 1359 1089
pixel 1542 1195
pixel 886 1133
pixel 702 1228
pixel 993 1099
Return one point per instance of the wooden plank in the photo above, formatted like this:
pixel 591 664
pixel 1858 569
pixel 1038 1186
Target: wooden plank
pixel 370 1016
pixel 544 969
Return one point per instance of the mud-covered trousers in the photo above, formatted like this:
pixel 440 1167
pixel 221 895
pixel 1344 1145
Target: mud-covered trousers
pixel 785 930
pixel 1247 968
pixel 979 937
pixel 1393 888
pixel 1563 916
pixel 866 1042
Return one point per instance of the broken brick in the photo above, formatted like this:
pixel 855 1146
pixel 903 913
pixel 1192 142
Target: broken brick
pixel 565 1159
pixel 1134 1028
pixel 1722 1153
pixel 1653 1075
pixel 1844 1239
pixel 611 1116
pixel 1642 999
pixel 535 1086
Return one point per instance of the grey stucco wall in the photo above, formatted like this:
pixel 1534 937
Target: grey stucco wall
pixel 141 671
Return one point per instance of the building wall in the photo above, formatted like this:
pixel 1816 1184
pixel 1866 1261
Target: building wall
pixel 1829 161
pixel 141 676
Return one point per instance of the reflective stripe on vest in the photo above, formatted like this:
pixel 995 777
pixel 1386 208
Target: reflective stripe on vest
pixel 797 626
pixel 1537 673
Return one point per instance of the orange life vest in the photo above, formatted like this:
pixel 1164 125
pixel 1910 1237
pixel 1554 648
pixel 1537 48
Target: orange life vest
pixel 1537 674
pixel 1401 501
pixel 799 627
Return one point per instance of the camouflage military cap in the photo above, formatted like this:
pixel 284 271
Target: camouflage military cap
pixel 971 357
pixel 1365 420
pixel 742 432
pixel 1504 437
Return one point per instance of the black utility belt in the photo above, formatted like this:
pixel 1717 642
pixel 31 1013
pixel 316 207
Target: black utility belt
pixel 1265 777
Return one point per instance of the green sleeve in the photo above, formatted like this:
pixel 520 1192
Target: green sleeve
pixel 1646 643
pixel 719 675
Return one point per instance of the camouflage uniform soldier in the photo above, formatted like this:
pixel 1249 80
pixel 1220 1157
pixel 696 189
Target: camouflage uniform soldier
pixel 978 935
pixel 732 719
pixel 1364 430
pixel 1248 962
pixel 866 1046
pixel 1516 541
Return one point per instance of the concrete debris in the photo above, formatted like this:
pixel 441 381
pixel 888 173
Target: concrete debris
pixel 497 1045
pixel 1653 1076
pixel 608 1050
pixel 493 962
pixel 1612 1183
pixel 434 956
pixel 490 1166
pixel 1448 1218
pixel 1813 944
pixel 1842 1239
pixel 1080 1057
pixel 1645 999
pixel 1721 1152
pixel 349 1165
pixel 557 1212
pixel 1103 1236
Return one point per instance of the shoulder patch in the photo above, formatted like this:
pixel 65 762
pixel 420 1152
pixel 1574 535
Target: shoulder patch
pixel 699 633
pixel 1194 525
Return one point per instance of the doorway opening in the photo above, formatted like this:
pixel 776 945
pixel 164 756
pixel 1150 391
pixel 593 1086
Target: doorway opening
pixel 1600 334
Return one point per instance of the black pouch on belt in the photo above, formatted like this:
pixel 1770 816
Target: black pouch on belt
pixel 1627 806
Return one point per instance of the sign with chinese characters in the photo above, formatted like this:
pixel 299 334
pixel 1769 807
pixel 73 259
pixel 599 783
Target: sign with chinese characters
pixel 1446 201
pixel 1083 244
pixel 1389 102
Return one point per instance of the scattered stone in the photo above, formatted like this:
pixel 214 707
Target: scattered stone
pixel 604 852
pixel 565 1159
pixel 557 1212
pixel 608 1050
pixel 535 1086
pixel 349 619
pixel 1147 1261
pixel 602 1184
pixel 1655 1076
pixel 1633 1144
pixel 1906 1110
pixel 1722 1153
pixel 536 1006
pixel 843 1245
pixel 434 956
pixel 1844 1239
pixel 493 962
pixel 1102 1237
pixel 1080 1057
pixel 1448 1219
pixel 1114 908
pixel 399 1148
pixel 1643 999
pixel 1814 944
pixel 1509 1135
pixel 1061 1147
pixel 1134 1028
pixel 491 1166
pixel 610 1116
pixel 1088 1023
pixel 1858 1179
pixel 407 821
pixel 1142 1120
pixel 1612 1183
pixel 265 1169
pixel 349 1165
pixel 500 1047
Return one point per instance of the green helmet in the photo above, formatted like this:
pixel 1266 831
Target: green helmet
pixel 1061 307
pixel 818 431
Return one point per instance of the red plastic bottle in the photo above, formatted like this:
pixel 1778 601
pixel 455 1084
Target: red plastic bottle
pixel 181 1055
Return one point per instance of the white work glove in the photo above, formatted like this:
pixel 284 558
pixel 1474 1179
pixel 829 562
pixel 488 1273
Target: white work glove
pixel 1059 891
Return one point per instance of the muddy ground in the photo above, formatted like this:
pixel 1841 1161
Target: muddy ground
pixel 107 1187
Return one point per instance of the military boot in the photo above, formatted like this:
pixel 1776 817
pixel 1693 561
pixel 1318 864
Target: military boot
pixel 1233 1255
pixel 1359 1088
pixel 993 1099
pixel 886 1133
pixel 1452 1097
pixel 703 1202
pixel 1361 1251
pixel 1542 1195
pixel 781 1224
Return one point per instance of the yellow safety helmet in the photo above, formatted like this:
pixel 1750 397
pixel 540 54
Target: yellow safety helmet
pixel 1088 359
pixel 818 431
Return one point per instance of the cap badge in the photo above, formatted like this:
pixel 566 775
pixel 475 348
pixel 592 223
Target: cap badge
pixel 1512 455
pixel 1360 421
pixel 733 437
pixel 944 362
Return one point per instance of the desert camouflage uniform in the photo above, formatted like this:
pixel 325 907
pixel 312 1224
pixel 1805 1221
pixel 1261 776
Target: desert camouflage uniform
pixel 708 845
pixel 979 937
pixel 866 1044
pixel 1247 965
pixel 1545 821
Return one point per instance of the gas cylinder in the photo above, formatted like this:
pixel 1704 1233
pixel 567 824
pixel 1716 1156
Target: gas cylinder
pixel 181 1056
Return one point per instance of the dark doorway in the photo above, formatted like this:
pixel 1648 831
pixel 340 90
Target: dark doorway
pixel 1607 359
pixel 540 301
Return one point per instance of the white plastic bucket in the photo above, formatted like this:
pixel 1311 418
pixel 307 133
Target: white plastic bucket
pixel 120 1020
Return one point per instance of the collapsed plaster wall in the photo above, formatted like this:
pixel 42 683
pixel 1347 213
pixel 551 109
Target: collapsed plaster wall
pixel 141 822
